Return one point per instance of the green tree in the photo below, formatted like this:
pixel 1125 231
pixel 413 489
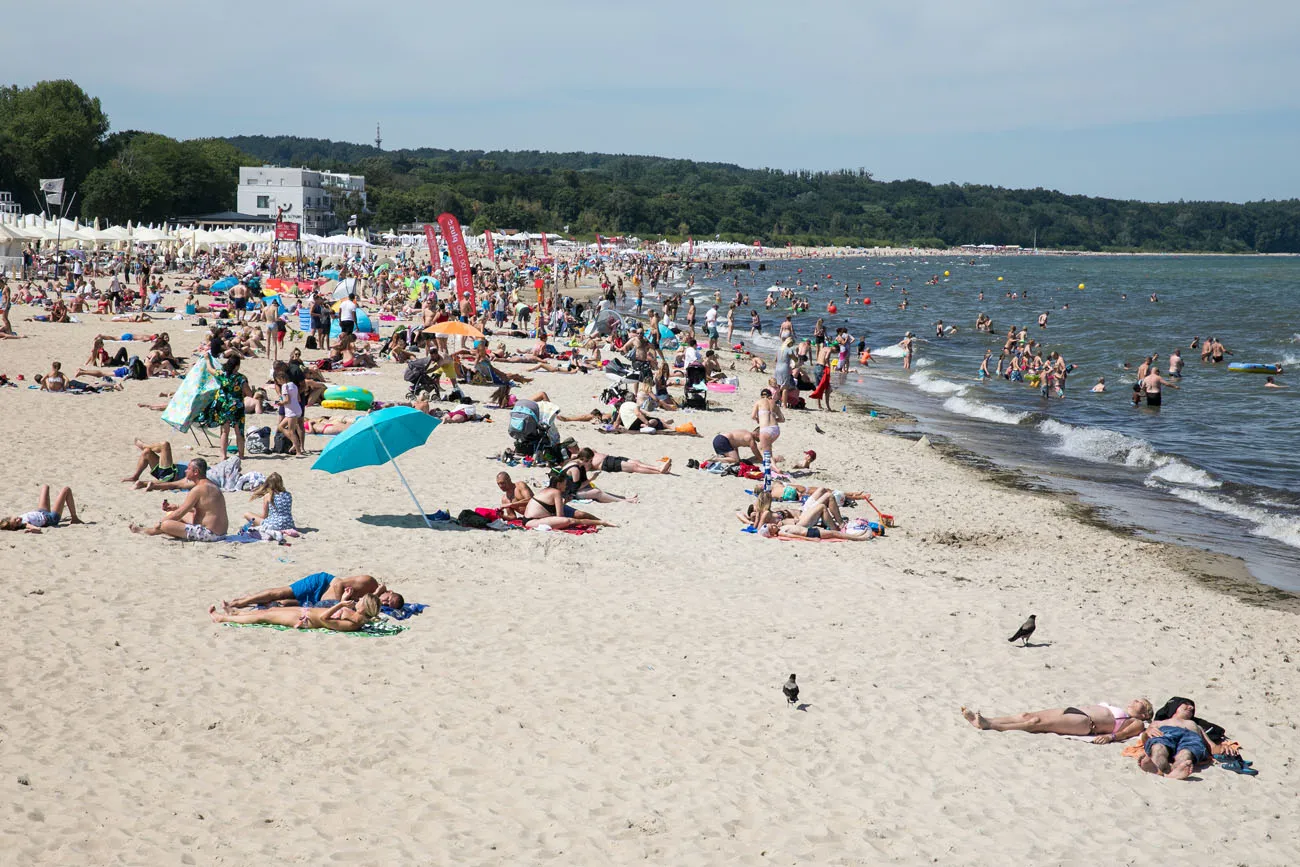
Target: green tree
pixel 49 130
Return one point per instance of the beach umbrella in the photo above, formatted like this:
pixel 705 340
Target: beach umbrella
pixel 461 329
pixel 224 283
pixel 344 289
pixel 425 278
pixel 377 439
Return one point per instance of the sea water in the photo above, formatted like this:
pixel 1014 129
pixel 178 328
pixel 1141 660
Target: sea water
pixel 1217 466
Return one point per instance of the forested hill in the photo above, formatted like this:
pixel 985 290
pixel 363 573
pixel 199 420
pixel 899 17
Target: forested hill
pixel 655 196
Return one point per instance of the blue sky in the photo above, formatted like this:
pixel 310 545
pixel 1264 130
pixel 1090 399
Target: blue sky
pixel 1158 100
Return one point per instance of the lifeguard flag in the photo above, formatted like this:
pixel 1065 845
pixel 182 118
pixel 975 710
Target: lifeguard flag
pixel 491 250
pixel 546 251
pixel 432 240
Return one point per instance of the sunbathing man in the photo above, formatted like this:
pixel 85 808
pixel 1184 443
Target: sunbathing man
pixel 603 463
pixel 346 616
pixel 727 446
pixel 201 517
pixel 577 483
pixel 813 534
pixel 517 495
pixel 1175 746
pixel 547 508
pixel 1106 722
pixel 320 587
pixel 157 458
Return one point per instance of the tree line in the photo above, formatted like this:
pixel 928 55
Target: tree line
pixel 54 129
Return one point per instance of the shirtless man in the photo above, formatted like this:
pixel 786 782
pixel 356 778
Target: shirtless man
pixel 1176 745
pixel 1176 364
pixel 201 517
pixel 727 446
pixel 320 587
pixel 516 496
pixel 1151 385
pixel 600 462
pixel 1217 351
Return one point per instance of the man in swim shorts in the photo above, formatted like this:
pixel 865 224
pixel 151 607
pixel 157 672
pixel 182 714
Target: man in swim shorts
pixel 201 517
pixel 319 587
pixel 727 446
pixel 1175 746
pixel 157 459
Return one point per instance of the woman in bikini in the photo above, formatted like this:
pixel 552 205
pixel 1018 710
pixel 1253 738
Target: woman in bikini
pixel 346 616
pixel 1105 722
pixel 768 416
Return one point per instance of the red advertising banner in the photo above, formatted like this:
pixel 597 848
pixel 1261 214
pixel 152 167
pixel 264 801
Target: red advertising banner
pixel 691 254
pixel 599 248
pixel 491 250
pixel 287 231
pixel 432 240
pixel 455 239
pixel 546 250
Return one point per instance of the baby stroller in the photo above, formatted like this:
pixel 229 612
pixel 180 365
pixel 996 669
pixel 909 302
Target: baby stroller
pixel 696 390
pixel 423 376
pixel 533 429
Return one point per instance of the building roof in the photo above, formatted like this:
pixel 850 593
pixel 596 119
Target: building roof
pixel 231 217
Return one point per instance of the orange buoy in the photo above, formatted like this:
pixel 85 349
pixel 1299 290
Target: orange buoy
pixel 831 308
pixel 866 300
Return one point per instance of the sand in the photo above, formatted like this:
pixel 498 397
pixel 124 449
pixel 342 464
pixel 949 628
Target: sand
pixel 611 698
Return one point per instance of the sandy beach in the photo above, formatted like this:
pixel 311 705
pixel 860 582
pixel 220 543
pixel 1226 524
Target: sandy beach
pixel 610 698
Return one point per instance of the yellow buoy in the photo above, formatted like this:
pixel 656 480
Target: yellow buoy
pixel 999 279
pixel 1080 285
pixel 945 273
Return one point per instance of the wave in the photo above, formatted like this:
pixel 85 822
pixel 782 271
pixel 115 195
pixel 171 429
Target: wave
pixel 1266 524
pixel 1178 473
pixel 1290 358
pixel 988 412
pixel 891 351
pixel 1100 446
pixel 923 362
pixel 929 384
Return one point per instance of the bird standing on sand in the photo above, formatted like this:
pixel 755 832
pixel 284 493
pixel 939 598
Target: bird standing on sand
pixel 1026 629
pixel 791 690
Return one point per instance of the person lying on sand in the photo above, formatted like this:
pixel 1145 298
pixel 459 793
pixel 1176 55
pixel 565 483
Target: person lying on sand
pixel 157 459
pixel 1106 722
pixel 1175 746
pixel 812 534
pixel 44 515
pixel 547 508
pixel 577 484
pixel 320 587
pixel 201 516
pixel 603 463
pixel 343 617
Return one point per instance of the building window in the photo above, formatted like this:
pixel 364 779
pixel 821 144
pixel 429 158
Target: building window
pixel 252 182
pixel 264 201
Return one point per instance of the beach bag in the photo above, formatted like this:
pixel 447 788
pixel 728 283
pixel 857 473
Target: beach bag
pixel 311 342
pixel 472 519
pixel 137 368
pixel 282 445
pixel 196 391
pixel 258 441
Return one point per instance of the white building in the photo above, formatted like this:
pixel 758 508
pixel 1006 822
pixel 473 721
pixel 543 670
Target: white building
pixel 9 206
pixel 307 195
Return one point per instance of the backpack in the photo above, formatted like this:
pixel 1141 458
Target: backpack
pixel 281 446
pixel 472 519
pixel 311 342
pixel 138 370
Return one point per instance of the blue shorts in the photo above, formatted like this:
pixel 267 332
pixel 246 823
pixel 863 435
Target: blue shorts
pixel 311 589
pixel 1179 739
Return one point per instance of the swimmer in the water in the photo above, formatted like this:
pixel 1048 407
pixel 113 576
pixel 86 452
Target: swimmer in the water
pixel 1269 383
pixel 1100 386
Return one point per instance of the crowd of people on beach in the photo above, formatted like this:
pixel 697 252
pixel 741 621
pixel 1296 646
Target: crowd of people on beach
pixel 639 346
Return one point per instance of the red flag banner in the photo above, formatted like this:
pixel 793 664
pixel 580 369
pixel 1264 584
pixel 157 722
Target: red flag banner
pixel 432 240
pixel 546 250
pixel 691 254
pixel 491 250
pixel 455 239
pixel 599 248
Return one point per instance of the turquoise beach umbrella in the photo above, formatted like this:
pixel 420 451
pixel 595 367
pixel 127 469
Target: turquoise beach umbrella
pixel 377 439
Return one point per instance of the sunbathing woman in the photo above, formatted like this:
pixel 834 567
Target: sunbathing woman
pixel 343 617
pixel 44 516
pixel 1106 722
pixel 329 425
pixel 814 534
pixel 547 509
